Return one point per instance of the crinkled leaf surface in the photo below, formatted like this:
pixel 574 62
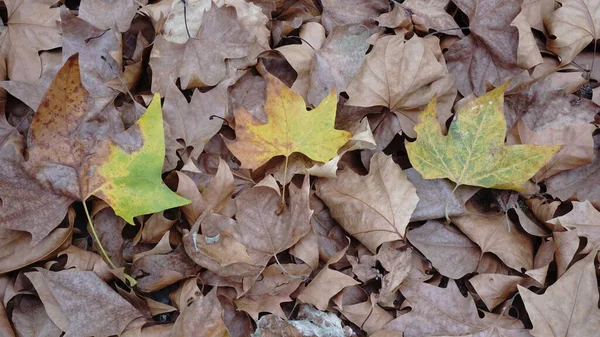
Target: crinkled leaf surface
pixel 290 128
pixel 473 152
pixel 130 181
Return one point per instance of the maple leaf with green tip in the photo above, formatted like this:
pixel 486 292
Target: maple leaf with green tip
pixel 473 152
pixel 290 128
pixel 130 182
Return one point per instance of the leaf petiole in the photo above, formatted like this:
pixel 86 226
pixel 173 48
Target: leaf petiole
pixel 131 280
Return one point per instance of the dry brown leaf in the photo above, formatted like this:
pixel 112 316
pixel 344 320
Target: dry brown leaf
pixel 490 231
pixel 154 272
pixel 84 260
pixel 32 27
pixel 446 312
pixel 584 218
pixel 118 13
pixel 201 61
pixel 450 252
pixel 576 182
pixel 276 284
pixel 567 245
pixel 570 306
pixel 81 304
pixel 11 141
pixel 431 191
pixel 536 11
pixel 363 266
pixel 368 316
pixel 572 27
pixel 261 230
pixel 326 284
pixel 493 289
pixel 431 14
pixel 192 122
pixel 404 75
pixel 489 54
pixel 30 319
pixel 203 317
pixel 528 53
pixel 345 12
pixel 375 208
pixel 398 261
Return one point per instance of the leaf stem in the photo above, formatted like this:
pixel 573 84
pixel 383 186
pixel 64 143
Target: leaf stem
pixel 447 203
pixel 103 252
pixel 282 205
pixel 445 30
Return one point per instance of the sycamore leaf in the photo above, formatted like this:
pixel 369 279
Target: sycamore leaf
pixel 131 182
pixel 473 152
pixel 290 128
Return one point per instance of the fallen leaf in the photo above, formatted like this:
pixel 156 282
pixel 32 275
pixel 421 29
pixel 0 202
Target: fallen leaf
pixel 127 190
pixel 431 191
pixel 192 122
pixel 276 284
pixel 32 27
pixel 528 53
pixel 419 65
pixel 489 53
pixel 572 27
pixel 570 306
pixel 81 304
pixel 431 14
pixel 30 319
pixel 493 289
pixel 576 182
pixel 368 316
pixel 203 318
pixel 344 12
pixel 265 233
pixel 584 218
pixel 326 284
pixel 397 261
pixel 473 152
pixel 291 128
pixel 450 252
pixel 375 208
pixel 490 231
pixel 444 312
pixel 114 13
pixel 201 60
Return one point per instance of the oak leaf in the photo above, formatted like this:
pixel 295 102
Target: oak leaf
pixel 473 152
pixel 290 128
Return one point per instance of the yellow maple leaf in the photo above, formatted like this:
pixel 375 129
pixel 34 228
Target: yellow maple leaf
pixel 290 128
pixel 473 152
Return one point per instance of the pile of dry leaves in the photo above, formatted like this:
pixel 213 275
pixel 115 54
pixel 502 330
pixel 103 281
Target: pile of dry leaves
pixel 315 168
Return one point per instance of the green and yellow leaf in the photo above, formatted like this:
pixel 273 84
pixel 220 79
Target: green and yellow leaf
pixel 131 183
pixel 473 152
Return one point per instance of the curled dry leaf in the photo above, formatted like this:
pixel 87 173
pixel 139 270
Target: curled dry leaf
pixel 30 319
pixel 584 218
pixel 375 208
pixel 344 12
pixel 493 289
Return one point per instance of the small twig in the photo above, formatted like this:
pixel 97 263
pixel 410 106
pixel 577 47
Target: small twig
pixel 219 117
pixel 185 19
pixel 445 30
pixel 298 37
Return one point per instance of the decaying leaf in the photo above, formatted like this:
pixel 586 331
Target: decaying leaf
pixel 473 152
